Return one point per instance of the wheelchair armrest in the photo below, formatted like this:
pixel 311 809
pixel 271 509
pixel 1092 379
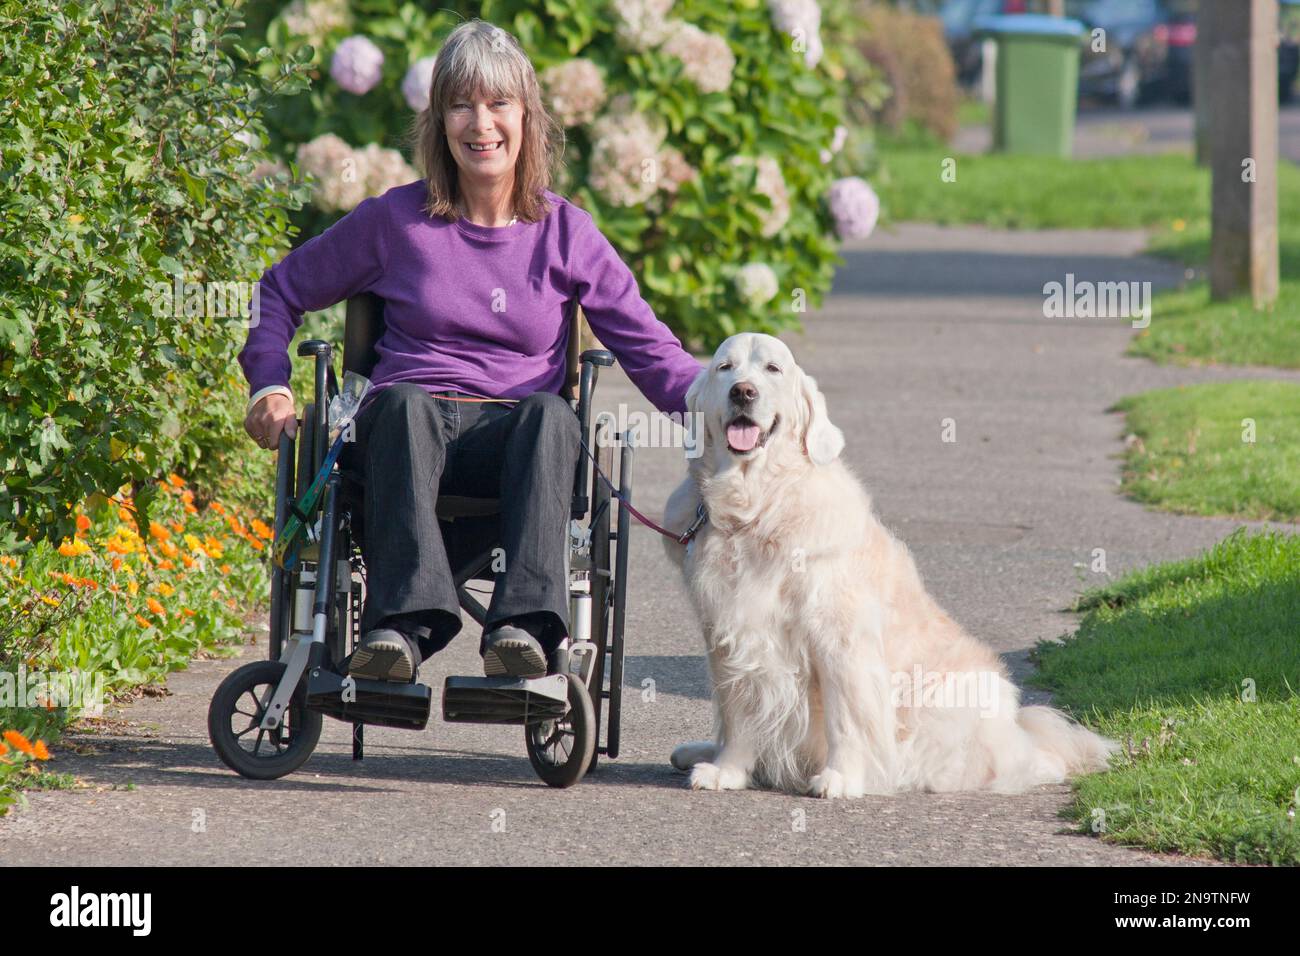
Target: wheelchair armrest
pixel 601 357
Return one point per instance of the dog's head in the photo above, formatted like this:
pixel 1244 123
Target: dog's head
pixel 753 401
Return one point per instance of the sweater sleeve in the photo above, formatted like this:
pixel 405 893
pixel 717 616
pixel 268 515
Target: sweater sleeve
pixel 624 322
pixel 344 260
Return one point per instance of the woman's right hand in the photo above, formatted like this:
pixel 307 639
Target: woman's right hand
pixel 270 416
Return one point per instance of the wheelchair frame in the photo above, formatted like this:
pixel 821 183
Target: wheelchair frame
pixel 315 618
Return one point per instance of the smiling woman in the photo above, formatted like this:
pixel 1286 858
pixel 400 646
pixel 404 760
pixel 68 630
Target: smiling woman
pixel 480 267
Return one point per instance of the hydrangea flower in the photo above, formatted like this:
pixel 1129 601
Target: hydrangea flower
pixel 383 169
pixel 314 20
pixel 358 65
pixel 575 89
pixel 707 60
pixel 416 83
pixel 800 18
pixel 641 24
pixel 756 283
pixel 854 207
pixel 340 180
pixel 624 150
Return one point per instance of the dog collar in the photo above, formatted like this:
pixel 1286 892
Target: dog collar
pixel 701 516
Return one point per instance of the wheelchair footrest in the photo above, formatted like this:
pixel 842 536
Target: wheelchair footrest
pixel 386 703
pixel 505 700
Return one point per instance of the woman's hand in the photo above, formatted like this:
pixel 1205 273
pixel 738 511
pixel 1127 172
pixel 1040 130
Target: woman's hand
pixel 268 418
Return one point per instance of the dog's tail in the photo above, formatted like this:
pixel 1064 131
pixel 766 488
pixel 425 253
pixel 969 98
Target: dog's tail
pixel 1064 743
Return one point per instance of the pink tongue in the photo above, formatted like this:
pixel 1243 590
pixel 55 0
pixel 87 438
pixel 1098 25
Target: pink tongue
pixel 742 437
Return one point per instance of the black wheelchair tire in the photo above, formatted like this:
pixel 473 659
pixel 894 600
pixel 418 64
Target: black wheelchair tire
pixel 304 724
pixel 582 721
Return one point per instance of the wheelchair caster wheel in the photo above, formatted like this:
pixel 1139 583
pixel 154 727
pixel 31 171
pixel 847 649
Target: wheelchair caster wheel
pixel 236 712
pixel 562 750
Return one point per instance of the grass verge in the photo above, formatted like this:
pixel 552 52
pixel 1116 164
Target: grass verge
pixel 1195 666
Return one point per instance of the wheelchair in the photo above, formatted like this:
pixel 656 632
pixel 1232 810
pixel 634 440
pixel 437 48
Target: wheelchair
pixel 265 718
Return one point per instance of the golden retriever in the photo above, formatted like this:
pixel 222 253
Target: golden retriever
pixel 834 673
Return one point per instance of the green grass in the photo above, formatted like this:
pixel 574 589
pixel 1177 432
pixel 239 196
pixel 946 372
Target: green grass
pixel 1042 192
pixel 1195 666
pixel 1192 455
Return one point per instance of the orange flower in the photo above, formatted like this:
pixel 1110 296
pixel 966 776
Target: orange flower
pixel 143 622
pixel 187 561
pixel 158 531
pixel 225 569
pixel 117 564
pixel 169 549
pixel 217 507
pixel 188 612
pixel 178 527
pixel 263 529
pixel 255 544
pixel 165 565
pixel 39 751
pixel 125 515
pixel 187 495
pixel 190 509
pixel 113 588
pixel 213 547
pixel 175 480
pixel 236 525
pixel 155 607
pixel 89 583
pixel 83 523
pixel 19 742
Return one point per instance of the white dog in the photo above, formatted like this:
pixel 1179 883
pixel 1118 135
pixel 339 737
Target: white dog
pixel 834 672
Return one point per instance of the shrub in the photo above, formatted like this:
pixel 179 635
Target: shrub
pixel 736 104
pixel 125 161
pixel 913 56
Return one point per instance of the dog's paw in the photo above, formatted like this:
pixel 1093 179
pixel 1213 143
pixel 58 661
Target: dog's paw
pixel 687 755
pixel 833 785
pixel 709 776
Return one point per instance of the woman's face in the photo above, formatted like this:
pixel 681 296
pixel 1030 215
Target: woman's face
pixel 490 120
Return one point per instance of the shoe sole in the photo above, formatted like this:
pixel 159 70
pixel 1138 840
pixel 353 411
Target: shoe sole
pixel 382 660
pixel 507 658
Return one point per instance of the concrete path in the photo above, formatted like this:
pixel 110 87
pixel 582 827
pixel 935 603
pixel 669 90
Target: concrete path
pixel 924 324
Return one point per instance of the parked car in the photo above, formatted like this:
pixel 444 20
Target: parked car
pixel 1149 46
pixel 959 17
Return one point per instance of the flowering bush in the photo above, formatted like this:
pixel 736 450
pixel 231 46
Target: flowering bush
pixel 704 138
pixel 129 137
pixel 125 600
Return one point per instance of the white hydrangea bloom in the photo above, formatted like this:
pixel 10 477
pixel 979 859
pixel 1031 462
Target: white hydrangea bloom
pixel 624 154
pixel 358 65
pixel 313 20
pixel 339 171
pixel 756 283
pixel 800 19
pixel 769 182
pixel 416 83
pixel 854 206
pixel 707 60
pixel 641 24
pixel 575 91
pixel 384 169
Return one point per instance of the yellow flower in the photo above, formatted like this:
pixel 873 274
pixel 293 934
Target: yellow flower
pixel 132 587
pixel 49 600
pixel 1179 225
pixel 193 543
pixel 165 589
pixel 76 219
pixel 213 547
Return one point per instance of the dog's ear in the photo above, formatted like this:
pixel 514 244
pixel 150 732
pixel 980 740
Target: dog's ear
pixel 822 440
pixel 695 423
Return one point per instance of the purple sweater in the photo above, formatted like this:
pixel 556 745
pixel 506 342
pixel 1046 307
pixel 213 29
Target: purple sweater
pixel 467 307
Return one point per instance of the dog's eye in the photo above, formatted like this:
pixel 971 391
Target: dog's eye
pixel 724 366
pixel 773 367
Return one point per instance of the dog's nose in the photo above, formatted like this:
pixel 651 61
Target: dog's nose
pixel 743 393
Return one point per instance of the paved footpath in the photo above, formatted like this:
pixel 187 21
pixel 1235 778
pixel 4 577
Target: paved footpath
pixel 924 324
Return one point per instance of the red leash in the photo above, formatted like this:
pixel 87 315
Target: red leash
pixel 701 515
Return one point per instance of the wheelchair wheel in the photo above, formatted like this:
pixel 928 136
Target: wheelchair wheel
pixel 561 750
pixel 601 575
pixel 237 710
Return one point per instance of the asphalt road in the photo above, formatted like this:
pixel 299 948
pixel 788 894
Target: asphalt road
pixel 924 324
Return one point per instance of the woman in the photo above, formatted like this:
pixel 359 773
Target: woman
pixel 479 265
